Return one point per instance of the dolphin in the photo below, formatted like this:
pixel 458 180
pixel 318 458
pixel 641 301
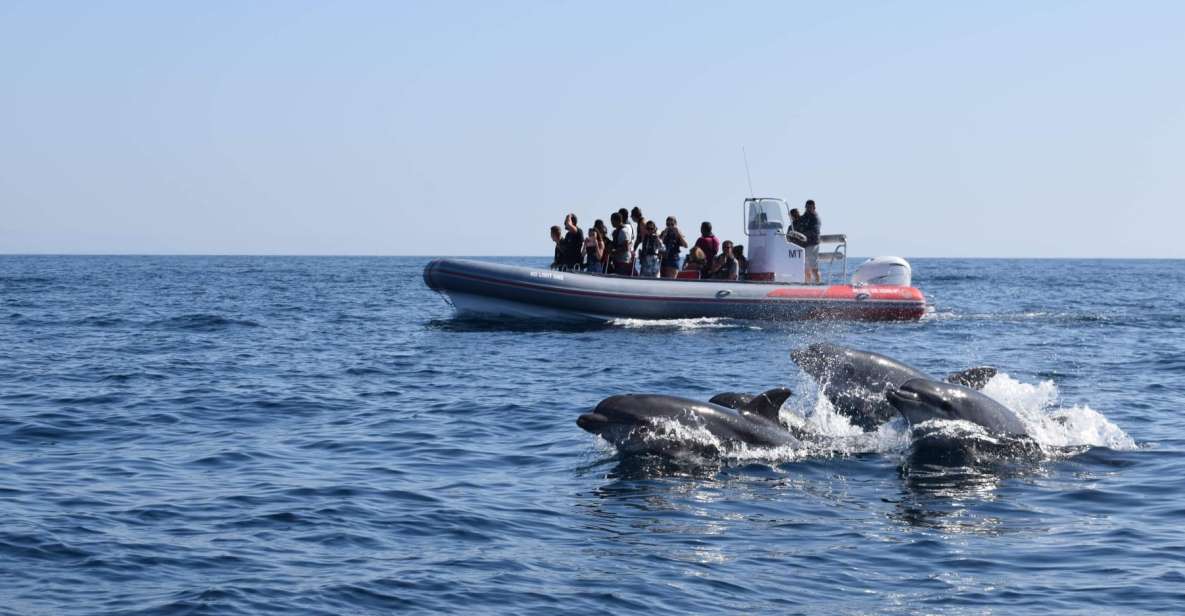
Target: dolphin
pixel 922 400
pixel 649 423
pixel 854 381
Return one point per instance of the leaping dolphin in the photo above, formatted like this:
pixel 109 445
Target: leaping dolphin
pixel 638 423
pixel 855 381
pixel 926 405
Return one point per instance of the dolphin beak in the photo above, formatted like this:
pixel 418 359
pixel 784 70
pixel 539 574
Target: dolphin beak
pixel 592 422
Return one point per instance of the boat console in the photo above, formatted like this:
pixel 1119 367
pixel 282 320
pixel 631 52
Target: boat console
pixel 772 257
pixel 776 254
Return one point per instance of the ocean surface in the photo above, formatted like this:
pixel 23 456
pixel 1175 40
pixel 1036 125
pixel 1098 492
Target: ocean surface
pixel 278 435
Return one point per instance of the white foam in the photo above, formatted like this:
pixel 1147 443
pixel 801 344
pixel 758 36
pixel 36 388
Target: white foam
pixel 683 324
pixel 958 429
pixel 691 438
pixel 826 434
pixel 1051 425
pixel 834 432
pixel 824 421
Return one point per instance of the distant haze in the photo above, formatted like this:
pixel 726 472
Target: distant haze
pixel 921 129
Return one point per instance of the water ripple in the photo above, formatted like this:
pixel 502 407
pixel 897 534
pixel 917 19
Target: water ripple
pixel 249 435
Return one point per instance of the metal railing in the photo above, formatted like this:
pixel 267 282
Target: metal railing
pixel 839 253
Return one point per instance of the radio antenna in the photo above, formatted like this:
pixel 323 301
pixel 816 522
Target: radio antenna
pixel 747 175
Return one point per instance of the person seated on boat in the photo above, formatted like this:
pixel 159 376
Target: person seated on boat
pixel 694 264
pixel 622 250
pixel 557 240
pixel 738 252
pixel 650 250
pixel 672 240
pixel 594 249
pixel 810 227
pixel 725 266
pixel 707 242
pixel 572 244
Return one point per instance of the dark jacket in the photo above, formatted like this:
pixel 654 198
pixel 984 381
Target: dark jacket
pixel 809 225
pixel 570 248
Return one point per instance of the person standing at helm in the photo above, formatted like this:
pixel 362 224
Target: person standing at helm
pixel 810 225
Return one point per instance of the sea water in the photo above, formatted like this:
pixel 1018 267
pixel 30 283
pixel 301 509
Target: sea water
pixel 255 435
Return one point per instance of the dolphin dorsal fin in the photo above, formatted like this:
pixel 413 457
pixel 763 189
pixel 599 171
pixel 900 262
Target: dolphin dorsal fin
pixel 975 378
pixel 733 400
pixel 767 404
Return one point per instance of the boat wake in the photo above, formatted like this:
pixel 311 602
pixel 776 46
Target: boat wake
pixel 683 324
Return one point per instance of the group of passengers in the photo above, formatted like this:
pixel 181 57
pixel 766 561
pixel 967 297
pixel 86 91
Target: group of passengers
pixel 641 250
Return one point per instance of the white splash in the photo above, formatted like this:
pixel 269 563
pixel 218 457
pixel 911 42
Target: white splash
pixel 1051 425
pixel 958 429
pixel 827 429
pixel 825 421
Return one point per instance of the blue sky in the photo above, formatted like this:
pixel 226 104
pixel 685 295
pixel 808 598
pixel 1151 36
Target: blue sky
pixel 1051 129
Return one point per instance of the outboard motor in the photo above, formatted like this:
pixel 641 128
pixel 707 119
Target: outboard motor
pixel 883 270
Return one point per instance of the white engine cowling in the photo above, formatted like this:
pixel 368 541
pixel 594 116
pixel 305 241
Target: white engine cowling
pixel 884 270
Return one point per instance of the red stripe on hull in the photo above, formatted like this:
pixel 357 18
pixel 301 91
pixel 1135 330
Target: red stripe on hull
pixel 848 292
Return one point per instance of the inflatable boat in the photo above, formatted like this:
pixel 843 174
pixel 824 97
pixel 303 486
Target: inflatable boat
pixel 878 290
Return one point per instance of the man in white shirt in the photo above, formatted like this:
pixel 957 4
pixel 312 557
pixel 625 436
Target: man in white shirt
pixel 629 230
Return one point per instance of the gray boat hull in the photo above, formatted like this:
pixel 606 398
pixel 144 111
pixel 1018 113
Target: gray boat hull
pixel 495 290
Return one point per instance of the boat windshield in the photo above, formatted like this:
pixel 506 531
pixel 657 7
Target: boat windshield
pixel 766 213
